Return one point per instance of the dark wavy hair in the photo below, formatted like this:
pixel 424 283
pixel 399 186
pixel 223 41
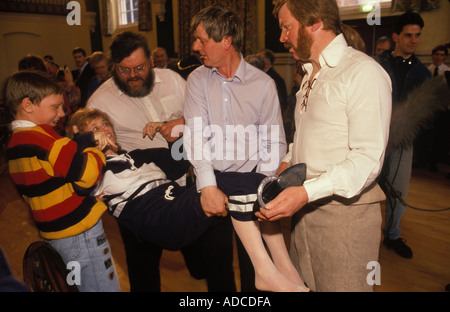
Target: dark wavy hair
pixel 407 18
pixel 126 43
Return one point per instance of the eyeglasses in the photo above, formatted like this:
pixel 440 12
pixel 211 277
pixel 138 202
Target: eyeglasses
pixel 125 71
pixel 307 86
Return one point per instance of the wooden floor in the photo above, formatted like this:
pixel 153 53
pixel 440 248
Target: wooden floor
pixel 426 232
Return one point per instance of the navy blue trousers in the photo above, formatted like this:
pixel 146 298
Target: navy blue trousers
pixel 171 216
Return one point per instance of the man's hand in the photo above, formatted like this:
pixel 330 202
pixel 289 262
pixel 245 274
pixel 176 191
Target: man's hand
pixel 288 202
pixel 166 129
pixel 151 128
pixel 213 201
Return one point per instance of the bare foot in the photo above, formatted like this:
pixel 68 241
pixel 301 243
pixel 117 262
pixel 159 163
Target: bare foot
pixel 290 272
pixel 275 281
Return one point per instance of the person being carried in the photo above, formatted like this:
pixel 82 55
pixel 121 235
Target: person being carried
pixel 55 175
pixel 139 190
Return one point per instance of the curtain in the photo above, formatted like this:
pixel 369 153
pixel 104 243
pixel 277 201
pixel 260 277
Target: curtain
pixel 414 5
pixel 246 9
pixel 105 18
pixel 145 15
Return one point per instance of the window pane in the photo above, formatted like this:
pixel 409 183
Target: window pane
pixel 128 11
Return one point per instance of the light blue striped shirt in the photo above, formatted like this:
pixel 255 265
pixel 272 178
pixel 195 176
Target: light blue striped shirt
pixel 233 124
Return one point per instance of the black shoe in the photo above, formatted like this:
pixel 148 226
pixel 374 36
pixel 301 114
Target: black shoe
pixel 399 246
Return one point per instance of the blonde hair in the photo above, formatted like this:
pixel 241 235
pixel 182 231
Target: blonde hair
pixel 97 57
pixel 83 116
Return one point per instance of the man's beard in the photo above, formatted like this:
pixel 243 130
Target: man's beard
pixel 304 44
pixel 145 89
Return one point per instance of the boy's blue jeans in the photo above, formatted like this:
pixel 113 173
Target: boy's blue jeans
pixel 91 255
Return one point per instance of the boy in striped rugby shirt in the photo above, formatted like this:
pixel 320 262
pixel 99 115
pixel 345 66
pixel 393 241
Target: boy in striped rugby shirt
pixel 56 175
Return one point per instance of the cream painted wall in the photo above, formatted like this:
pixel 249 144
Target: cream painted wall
pixel 436 31
pixel 21 34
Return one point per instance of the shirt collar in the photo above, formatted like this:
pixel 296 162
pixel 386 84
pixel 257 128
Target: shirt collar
pixel 240 72
pixel 331 55
pixel 83 67
pixel 333 52
pixel 17 124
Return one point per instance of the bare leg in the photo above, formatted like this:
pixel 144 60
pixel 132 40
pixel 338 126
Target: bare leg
pixel 274 239
pixel 267 276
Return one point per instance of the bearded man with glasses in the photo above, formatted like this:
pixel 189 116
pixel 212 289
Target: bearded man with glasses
pixel 138 94
pixel 144 104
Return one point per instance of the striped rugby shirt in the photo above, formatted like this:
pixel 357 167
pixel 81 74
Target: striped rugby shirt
pixel 56 175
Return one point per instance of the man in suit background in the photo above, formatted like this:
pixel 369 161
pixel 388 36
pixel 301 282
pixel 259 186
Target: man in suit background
pixel 82 76
pixel 269 60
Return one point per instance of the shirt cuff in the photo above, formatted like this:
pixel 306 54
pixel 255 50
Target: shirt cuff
pixel 318 188
pixel 205 178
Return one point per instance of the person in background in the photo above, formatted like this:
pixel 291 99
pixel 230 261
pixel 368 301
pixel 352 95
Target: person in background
pixel 255 60
pixel 429 147
pixel 439 55
pixel 269 61
pixel 52 69
pixel 160 57
pixel 72 98
pixel 383 43
pixel 82 76
pixel 102 67
pixel 34 62
pixel 406 72
pixel 48 58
